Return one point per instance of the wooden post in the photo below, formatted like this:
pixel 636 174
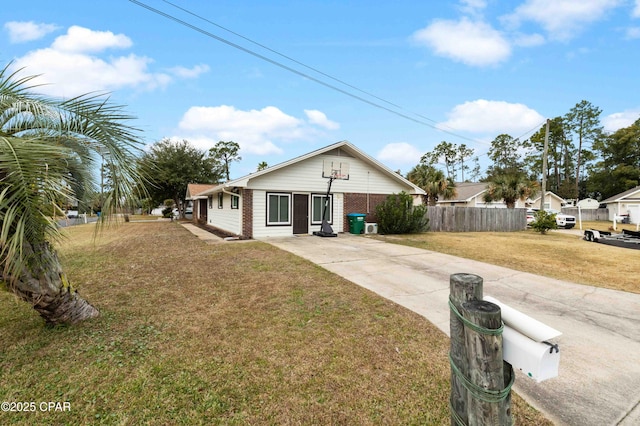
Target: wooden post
pixel 463 288
pixel 485 364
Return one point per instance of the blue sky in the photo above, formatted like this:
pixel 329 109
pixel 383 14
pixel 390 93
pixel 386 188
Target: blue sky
pixel 462 71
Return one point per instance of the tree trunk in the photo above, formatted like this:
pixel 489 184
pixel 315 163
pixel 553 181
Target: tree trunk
pixel 44 285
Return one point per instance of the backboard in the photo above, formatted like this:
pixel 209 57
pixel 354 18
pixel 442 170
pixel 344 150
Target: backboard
pixel 335 169
pixel 588 203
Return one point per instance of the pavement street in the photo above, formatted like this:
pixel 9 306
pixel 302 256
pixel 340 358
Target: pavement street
pixel 599 379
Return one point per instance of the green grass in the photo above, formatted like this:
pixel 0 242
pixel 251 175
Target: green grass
pixel 234 333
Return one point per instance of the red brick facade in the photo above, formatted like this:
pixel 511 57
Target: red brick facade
pixel 358 203
pixel 247 213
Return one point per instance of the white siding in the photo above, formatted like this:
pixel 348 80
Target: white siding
pixel 225 218
pixel 634 212
pixel 261 230
pixel 306 176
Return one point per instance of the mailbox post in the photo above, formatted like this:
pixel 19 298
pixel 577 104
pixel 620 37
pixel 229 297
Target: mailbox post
pixel 488 340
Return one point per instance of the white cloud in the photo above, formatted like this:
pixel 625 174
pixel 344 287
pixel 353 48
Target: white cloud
pixel 70 74
pixel 472 7
pixel 492 117
pixel 619 120
pixel 633 32
pixel 319 118
pixel 255 130
pixel 562 19
pixel 399 154
pixel 473 43
pixel 528 40
pixel 73 65
pixel 636 10
pixel 83 40
pixel 20 32
pixel 190 72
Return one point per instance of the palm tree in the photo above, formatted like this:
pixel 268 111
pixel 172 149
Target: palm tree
pixel 49 150
pixel 510 188
pixel 433 181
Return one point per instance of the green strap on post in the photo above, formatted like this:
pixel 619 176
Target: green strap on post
pixel 481 393
pixel 486 395
pixel 476 327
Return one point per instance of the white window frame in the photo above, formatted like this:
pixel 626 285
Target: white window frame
pixel 220 200
pixel 235 202
pixel 321 197
pixel 279 194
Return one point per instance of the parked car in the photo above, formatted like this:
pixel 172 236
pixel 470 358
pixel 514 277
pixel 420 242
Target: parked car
pixel 72 214
pixel 531 216
pixel 565 221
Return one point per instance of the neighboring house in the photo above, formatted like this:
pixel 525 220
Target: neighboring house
pixel 625 203
pixel 551 202
pixel 470 194
pixel 199 201
pixel 288 198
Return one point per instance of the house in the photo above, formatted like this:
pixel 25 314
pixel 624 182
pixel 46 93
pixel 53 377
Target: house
pixel 551 202
pixel 289 198
pixel 625 203
pixel 199 206
pixel 470 194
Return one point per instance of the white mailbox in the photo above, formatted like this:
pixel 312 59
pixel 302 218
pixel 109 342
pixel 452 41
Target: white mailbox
pixel 522 343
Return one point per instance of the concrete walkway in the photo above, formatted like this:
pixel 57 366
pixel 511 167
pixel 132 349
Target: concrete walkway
pixel 205 236
pixel 599 381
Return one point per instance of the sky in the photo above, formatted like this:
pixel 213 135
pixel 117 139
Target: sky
pixel 284 78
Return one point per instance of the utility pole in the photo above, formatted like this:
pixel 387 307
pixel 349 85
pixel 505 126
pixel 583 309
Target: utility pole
pixel 544 165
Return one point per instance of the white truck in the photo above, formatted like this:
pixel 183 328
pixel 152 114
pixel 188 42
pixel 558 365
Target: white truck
pixel 565 221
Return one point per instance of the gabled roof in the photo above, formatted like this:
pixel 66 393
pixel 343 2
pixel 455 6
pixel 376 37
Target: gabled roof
pixel 194 190
pixel 546 194
pixel 466 191
pixel 633 194
pixel 243 181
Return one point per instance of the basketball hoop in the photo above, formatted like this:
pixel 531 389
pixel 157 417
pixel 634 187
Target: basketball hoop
pixel 333 170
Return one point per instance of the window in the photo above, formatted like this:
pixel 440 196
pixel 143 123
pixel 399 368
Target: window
pixel 235 200
pixel 220 199
pixel 317 207
pixel 210 198
pixel 278 207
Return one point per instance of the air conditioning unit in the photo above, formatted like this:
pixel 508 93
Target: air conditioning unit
pixel 370 228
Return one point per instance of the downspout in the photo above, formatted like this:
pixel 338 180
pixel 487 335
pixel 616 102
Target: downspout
pixel 368 209
pixel 233 194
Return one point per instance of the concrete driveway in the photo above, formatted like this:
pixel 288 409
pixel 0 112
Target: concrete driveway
pixel 599 381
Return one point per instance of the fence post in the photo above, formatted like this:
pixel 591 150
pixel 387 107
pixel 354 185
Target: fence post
pixel 483 340
pixel 462 288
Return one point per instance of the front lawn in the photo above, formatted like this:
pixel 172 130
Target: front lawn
pixel 559 254
pixel 233 333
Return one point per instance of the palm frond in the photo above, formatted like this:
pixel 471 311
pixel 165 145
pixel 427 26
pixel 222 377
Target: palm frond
pixel 30 175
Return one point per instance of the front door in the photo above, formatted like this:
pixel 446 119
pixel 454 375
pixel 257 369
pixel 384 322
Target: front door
pixel 300 214
pixel 202 211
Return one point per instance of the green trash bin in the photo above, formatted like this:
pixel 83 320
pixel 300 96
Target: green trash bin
pixel 356 223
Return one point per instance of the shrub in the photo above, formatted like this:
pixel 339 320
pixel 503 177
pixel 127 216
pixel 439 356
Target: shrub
pixel 167 212
pixel 398 215
pixel 543 221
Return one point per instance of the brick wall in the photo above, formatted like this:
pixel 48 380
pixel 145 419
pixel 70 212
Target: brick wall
pixel 247 213
pixel 357 203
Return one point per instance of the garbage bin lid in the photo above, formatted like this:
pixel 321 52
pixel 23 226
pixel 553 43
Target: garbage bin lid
pixel 356 214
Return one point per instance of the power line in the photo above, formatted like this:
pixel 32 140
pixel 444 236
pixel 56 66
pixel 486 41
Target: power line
pixel 293 70
pixel 282 55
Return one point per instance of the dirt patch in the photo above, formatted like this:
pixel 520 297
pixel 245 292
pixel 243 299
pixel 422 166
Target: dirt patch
pixel 219 232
